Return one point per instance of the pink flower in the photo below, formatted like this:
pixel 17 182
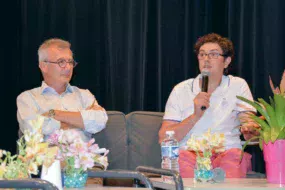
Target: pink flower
pixel 78 147
pixel 91 142
pixel 84 161
pixel 54 137
pixel 93 148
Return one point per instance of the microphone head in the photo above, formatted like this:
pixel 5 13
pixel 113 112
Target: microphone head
pixel 205 73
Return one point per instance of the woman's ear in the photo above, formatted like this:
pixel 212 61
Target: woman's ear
pixel 228 60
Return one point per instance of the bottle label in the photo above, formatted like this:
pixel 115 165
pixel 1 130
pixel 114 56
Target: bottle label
pixel 170 151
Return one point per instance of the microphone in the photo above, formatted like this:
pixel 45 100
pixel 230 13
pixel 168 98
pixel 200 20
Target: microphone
pixel 205 82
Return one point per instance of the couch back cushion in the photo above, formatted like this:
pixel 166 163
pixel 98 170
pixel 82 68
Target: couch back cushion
pixel 114 138
pixel 142 130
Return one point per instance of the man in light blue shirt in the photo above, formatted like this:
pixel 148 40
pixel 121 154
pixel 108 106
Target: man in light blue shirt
pixel 64 106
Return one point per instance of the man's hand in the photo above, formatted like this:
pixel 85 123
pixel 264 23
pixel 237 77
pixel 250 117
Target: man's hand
pixel 95 107
pixel 64 126
pixel 202 99
pixel 45 114
pixel 250 130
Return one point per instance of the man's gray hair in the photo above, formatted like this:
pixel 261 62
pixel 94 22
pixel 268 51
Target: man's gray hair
pixel 59 43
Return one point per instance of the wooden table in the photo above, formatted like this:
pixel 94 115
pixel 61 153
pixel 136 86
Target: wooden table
pixel 231 183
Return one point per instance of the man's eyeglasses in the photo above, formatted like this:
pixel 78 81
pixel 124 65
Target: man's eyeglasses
pixel 212 55
pixel 62 63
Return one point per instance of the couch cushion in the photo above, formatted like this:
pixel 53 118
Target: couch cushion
pixel 144 149
pixel 114 138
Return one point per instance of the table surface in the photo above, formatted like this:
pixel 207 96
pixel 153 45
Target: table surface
pixel 230 183
pixel 100 187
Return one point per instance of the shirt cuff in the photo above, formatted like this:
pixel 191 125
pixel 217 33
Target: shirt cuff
pixel 94 120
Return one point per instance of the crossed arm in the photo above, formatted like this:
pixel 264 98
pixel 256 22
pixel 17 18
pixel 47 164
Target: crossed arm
pixel 92 118
pixel 69 119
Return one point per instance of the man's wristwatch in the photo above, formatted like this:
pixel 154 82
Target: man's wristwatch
pixel 51 113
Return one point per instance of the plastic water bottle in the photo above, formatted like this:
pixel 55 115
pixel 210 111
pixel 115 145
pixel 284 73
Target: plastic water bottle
pixel 169 154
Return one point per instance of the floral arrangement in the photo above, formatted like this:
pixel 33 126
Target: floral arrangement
pixel 32 153
pixel 205 146
pixel 272 127
pixel 76 154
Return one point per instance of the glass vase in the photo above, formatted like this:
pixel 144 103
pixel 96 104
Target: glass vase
pixel 75 180
pixel 203 170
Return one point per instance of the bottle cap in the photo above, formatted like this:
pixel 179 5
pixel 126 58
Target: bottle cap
pixel 170 132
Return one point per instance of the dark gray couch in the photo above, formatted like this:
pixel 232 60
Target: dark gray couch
pixel 132 139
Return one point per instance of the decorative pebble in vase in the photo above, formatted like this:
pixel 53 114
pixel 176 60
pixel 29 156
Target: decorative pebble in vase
pixel 203 171
pixel 75 180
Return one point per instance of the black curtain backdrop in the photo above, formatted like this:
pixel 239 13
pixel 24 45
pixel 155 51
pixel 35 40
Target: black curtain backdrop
pixel 131 53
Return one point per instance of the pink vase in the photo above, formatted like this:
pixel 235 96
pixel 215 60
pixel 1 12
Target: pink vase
pixel 274 156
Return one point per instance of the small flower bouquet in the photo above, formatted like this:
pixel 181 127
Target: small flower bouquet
pixel 205 146
pixel 77 156
pixel 32 153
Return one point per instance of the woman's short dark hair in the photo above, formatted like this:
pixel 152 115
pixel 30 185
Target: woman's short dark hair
pixel 225 44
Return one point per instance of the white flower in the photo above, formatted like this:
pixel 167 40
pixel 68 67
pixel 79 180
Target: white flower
pixel 37 123
pixel 100 151
pixel 104 161
pixel 33 168
pixel 206 144
pixel 193 143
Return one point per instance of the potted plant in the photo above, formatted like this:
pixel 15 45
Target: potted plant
pixel 272 131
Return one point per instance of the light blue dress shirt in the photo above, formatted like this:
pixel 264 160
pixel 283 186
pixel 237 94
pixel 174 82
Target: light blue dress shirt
pixel 40 100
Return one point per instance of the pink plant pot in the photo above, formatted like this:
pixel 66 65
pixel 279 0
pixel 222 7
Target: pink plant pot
pixel 274 157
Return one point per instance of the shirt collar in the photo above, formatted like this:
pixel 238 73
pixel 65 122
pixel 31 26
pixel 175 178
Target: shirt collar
pixel 45 88
pixel 225 83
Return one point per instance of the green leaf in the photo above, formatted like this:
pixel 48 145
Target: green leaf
pixel 263 124
pixel 282 134
pixel 246 143
pixel 265 131
pixel 272 102
pixel 273 121
pixel 256 106
pixel 269 109
pixel 280 109
pixel 266 135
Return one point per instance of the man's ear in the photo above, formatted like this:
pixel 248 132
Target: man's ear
pixel 43 67
pixel 228 60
